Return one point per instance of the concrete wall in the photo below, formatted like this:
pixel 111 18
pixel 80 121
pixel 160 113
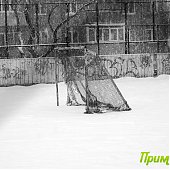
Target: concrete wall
pixel 37 71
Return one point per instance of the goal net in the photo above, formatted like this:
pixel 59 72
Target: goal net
pixel 89 82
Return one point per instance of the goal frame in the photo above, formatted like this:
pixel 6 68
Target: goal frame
pixel 57 73
pixel 86 52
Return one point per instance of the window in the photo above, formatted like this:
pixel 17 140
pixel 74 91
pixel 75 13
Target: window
pixel 117 34
pixel 2 5
pixel 130 7
pixel 92 34
pixel 69 37
pixel 44 36
pixel 120 34
pixel 42 9
pixel 72 8
pixel 10 39
pixel 133 35
pixel 106 34
pixel 113 34
pixel 2 39
pixel 13 38
pixel 73 36
pixel 148 7
pixel 148 33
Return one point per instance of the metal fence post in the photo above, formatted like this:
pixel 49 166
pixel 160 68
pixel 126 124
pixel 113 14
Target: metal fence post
pixel 67 24
pixel 153 19
pixel 127 51
pixel 97 28
pixel 86 84
pixel 37 22
pixel 155 27
pixel 57 76
pixel 67 42
pixel 6 29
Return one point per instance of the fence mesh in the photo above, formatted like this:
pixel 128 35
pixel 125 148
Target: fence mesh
pixel 89 82
pixel 114 27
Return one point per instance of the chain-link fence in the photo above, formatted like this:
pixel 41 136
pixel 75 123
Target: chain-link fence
pixel 31 31
pixel 111 27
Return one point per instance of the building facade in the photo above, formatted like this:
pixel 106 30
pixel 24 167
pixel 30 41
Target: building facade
pixel 124 27
pixel 109 26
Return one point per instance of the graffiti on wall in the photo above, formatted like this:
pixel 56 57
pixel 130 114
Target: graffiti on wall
pixel 128 66
pixel 131 68
pixel 8 73
pixel 28 70
pixel 166 65
pixel 31 71
pixel 115 66
pixel 145 60
pixel 42 66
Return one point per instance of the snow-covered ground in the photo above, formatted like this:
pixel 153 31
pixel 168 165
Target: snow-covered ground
pixel 35 133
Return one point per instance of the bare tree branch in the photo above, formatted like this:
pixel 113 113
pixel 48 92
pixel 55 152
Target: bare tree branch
pixel 14 7
pixel 49 16
pixel 61 24
pixel 28 13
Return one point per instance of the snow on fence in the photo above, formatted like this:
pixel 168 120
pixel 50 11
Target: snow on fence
pixel 35 71
pixel 163 63
pixel 27 71
pixel 130 65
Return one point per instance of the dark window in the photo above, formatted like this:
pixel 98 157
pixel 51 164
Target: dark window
pixel 69 37
pixel 106 34
pixel 43 37
pixel 13 38
pixel 75 37
pixel 148 34
pixel 113 34
pixel 2 39
pixel 42 9
pixel 120 34
pixel 16 38
pixel 117 34
pixel 130 7
pixel 92 34
pixel 100 34
pixel 2 5
pixel 132 35
pixel 73 8
pixel 10 39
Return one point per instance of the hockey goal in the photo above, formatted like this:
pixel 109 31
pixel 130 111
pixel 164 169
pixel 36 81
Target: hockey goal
pixel 89 82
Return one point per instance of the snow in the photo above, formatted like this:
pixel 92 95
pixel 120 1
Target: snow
pixel 35 133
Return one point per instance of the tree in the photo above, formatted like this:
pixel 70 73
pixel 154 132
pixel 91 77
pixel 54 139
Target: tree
pixel 28 11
